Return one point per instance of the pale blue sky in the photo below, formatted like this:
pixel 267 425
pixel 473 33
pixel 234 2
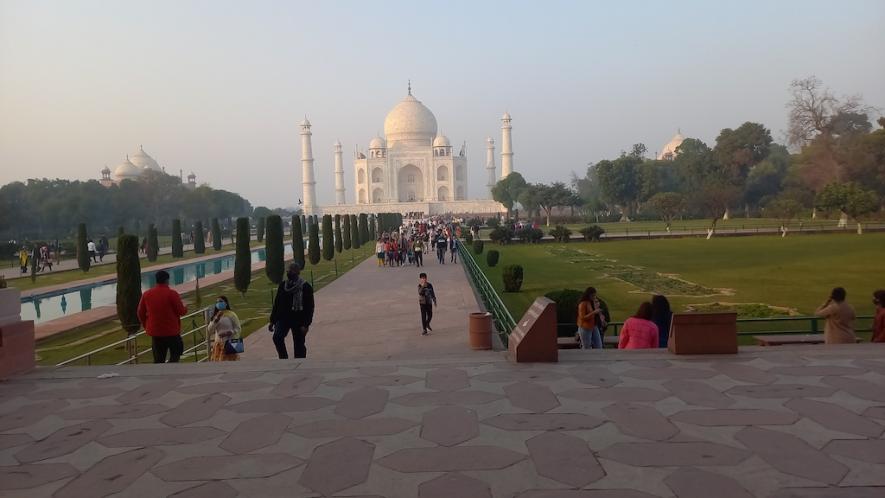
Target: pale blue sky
pixel 219 87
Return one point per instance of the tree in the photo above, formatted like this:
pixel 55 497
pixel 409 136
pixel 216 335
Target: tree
pixel 530 198
pixel 259 229
pixel 850 199
pixel 714 198
pixel 243 259
pixel 553 196
pixel 507 191
pixel 216 235
pixel 814 111
pixel 785 210
pixel 199 238
pixel 767 178
pixel 83 259
pixel 373 221
pixel 177 246
pixel 313 243
pixel 153 243
pixel 328 238
pixel 128 283
pixel 619 183
pixel 354 232
pixel 739 150
pixel 273 249
pixel 668 205
pixel 297 242
pixel 261 212
pixel 363 228
pixel 339 245
pixel 347 232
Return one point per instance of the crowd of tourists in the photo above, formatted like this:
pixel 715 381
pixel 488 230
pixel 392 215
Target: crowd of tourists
pixel 649 327
pixel 407 245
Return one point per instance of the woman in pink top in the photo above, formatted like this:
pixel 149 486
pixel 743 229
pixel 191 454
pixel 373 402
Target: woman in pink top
pixel 639 332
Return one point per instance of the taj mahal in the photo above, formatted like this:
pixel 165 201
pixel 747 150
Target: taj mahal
pixel 412 168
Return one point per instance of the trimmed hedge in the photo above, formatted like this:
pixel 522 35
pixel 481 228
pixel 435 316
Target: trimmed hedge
pixel 216 235
pixel 346 232
pixel 478 246
pixel 328 238
pixel 297 242
pixel 259 229
pixel 492 257
pixel 339 246
pixel 199 238
pixel 313 243
pixel 512 276
pixel 592 233
pixel 560 233
pixel 177 246
pixel 128 283
pixel 83 259
pixel 243 259
pixel 153 243
pixel 273 249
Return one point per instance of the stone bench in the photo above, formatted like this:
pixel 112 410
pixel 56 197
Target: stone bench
pixel 783 339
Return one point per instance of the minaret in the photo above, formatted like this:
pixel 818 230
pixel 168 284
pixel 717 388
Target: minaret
pixel 506 147
pixel 490 164
pixel 339 175
pixel 308 183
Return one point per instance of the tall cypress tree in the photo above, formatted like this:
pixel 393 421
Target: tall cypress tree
pixel 128 283
pixel 313 243
pixel 153 243
pixel 243 260
pixel 297 241
pixel 216 234
pixel 328 238
pixel 273 249
pixel 364 228
pixel 346 233
pixel 199 238
pixel 303 224
pixel 259 229
pixel 177 246
pixel 338 244
pixel 83 259
pixel 372 234
pixel 354 232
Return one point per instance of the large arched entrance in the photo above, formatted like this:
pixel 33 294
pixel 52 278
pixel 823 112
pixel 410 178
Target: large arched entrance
pixel 410 183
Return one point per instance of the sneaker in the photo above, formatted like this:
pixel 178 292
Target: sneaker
pixel 424 333
pixel 429 328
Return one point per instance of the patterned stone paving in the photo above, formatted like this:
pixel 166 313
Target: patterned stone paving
pixel 790 422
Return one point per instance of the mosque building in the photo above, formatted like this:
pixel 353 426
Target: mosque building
pixel 412 168
pixel 134 168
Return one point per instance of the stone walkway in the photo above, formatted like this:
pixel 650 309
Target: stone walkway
pixel 372 313
pixel 804 421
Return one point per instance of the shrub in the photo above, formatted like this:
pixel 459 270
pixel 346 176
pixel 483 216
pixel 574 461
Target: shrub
pixel 560 233
pixel 177 246
pixel 492 257
pixel 216 235
pixel 243 259
pixel 566 304
pixel 128 283
pixel 478 246
pixel 592 233
pixel 512 276
pixel 530 235
pixel 354 232
pixel 492 222
pixel 346 231
pixel 83 259
pixel 297 242
pixel 501 234
pixel 338 244
pixel 363 228
pixel 273 249
pixel 199 238
pixel 328 238
pixel 153 243
pixel 313 243
pixel 259 229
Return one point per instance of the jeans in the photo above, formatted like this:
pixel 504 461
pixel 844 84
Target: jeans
pixel 280 331
pixel 419 258
pixel 454 256
pixel 171 344
pixel 590 339
pixel 441 256
pixel 426 316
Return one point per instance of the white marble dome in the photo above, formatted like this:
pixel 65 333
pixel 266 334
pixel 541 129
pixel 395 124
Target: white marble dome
pixel 441 141
pixel 126 171
pixel 142 160
pixel 410 121
pixel 669 151
pixel 377 143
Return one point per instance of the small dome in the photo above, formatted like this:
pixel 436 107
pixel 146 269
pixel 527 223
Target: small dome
pixel 305 122
pixel 441 141
pixel 378 143
pixel 106 171
pixel 669 150
pixel 506 116
pixel 192 176
pixel 410 120
pixel 126 171
pixel 143 161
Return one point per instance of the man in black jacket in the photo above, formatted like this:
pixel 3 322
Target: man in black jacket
pixel 426 301
pixel 292 309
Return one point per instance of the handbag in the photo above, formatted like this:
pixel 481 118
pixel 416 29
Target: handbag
pixel 234 346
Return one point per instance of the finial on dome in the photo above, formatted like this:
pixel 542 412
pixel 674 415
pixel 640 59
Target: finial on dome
pixel 410 87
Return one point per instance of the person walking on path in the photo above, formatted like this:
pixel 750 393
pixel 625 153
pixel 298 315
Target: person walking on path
pixel 292 310
pixel 426 301
pixel 379 251
pixel 160 311
pixel 102 248
pixel 639 332
pixel 90 247
pixel 661 315
pixel 441 248
pixel 453 249
pixel 879 320
pixel 419 251
pixel 225 325
pixel 588 320
pixel 839 328
pixel 23 258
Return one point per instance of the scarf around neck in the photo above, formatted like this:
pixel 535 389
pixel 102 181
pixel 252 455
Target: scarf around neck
pixel 295 288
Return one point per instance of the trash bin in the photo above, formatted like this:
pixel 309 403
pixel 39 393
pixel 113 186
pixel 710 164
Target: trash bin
pixel 480 331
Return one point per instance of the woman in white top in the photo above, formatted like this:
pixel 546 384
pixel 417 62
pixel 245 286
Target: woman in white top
pixel 225 325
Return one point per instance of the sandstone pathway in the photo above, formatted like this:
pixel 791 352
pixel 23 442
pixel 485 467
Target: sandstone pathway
pixel 371 313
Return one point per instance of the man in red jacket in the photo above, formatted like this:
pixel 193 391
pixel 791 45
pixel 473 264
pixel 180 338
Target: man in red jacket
pixel 160 311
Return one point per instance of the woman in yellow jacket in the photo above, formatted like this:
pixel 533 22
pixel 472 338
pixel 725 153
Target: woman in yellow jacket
pixel 225 325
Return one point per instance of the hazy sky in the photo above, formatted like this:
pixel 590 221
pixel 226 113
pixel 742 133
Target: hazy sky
pixel 220 87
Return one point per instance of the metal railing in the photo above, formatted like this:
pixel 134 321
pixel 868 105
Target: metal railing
pixel 196 336
pixel 503 320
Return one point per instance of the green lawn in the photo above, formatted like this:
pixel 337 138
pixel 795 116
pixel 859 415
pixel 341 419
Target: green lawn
pixel 252 309
pixel 62 277
pixel 765 273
